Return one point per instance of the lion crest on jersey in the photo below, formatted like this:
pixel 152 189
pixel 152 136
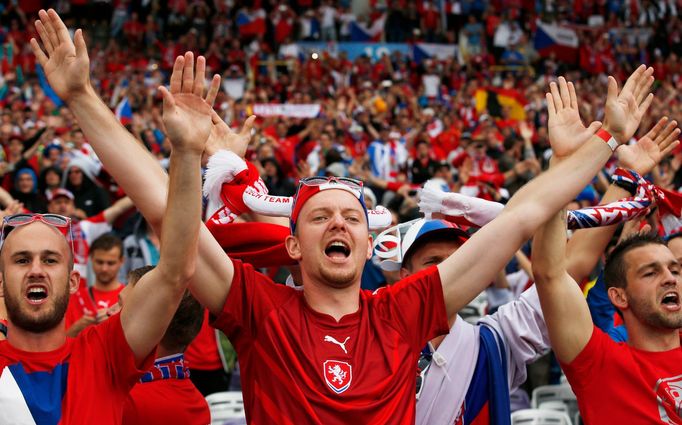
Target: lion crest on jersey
pixel 338 375
pixel 669 397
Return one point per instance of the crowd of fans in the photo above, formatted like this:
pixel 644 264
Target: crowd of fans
pixel 423 118
pixel 394 122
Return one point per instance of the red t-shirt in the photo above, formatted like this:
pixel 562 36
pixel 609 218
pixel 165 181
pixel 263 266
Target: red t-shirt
pixel 88 301
pixel 202 353
pixel 168 401
pixel 106 299
pixel 302 366
pixel 618 384
pixel 85 381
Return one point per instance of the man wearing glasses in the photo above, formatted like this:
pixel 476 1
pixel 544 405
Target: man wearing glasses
pixel 47 378
pixel 330 353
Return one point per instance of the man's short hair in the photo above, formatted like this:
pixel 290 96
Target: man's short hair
pixel 107 242
pixel 615 269
pixel 186 322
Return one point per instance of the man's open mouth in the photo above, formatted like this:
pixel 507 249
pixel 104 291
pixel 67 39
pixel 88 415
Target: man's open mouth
pixel 36 294
pixel 337 250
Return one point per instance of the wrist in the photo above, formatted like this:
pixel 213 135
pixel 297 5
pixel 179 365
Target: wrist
pixel 80 94
pixel 606 135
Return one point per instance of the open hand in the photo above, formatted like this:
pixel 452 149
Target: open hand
pixel 223 137
pixel 624 110
pixel 644 155
pixel 65 62
pixel 186 114
pixel 566 131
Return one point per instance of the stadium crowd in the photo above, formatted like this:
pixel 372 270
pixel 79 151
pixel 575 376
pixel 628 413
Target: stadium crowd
pixel 477 123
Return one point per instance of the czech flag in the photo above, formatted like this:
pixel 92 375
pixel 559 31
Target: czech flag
pixel 251 23
pixel 124 112
pixel 359 31
pixel 561 41
pixel 493 99
pixel 423 51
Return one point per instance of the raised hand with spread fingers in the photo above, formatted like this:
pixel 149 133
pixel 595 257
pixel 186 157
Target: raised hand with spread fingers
pixel 65 61
pixel 186 111
pixel 649 150
pixel 624 110
pixel 566 130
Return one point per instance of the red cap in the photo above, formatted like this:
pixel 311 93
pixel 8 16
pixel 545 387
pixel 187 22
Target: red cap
pixel 54 194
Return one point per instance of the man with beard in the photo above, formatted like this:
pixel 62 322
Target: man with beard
pixel 637 382
pixel 47 378
pixel 330 353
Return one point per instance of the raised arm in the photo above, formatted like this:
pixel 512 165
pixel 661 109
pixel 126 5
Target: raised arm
pixel 466 273
pixel 560 296
pixel 66 66
pixel 112 213
pixel 157 295
pixel 586 246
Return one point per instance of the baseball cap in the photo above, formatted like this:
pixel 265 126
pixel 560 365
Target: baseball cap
pixel 423 229
pixel 54 194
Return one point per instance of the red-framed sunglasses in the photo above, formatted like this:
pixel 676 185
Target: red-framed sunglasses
pixel 60 222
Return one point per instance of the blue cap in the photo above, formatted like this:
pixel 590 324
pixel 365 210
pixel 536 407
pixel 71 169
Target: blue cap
pixel 422 228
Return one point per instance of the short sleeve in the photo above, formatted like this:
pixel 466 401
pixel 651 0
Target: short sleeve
pixel 581 371
pixel 107 341
pixel 252 296
pixel 415 307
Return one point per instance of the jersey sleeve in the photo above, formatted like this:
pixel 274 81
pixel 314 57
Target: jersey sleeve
pixel 524 333
pixel 584 369
pixel 107 344
pixel 252 296
pixel 415 307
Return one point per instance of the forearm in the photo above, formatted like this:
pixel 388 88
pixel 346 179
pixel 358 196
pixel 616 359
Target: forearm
pixel 560 296
pixel 118 149
pixel 5 197
pixel 145 182
pixel 587 245
pixel 532 205
pixel 182 218
pixel 112 213
pixel 535 202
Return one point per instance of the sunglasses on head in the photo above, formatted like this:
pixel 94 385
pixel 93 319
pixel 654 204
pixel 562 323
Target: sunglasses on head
pixel 320 180
pixel 355 186
pixel 60 222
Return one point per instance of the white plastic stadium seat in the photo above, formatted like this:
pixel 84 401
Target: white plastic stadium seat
pixel 226 408
pixel 539 417
pixel 562 393
pixel 555 405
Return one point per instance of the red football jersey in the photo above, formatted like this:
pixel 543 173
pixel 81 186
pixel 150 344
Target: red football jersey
pixel 618 384
pixel 167 401
pixel 85 381
pixel 302 366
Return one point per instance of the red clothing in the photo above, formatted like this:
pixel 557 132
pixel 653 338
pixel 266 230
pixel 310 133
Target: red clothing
pixel 85 381
pixel 168 401
pixel 302 366
pixel 88 301
pixel 106 299
pixel 618 384
pixel 203 353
